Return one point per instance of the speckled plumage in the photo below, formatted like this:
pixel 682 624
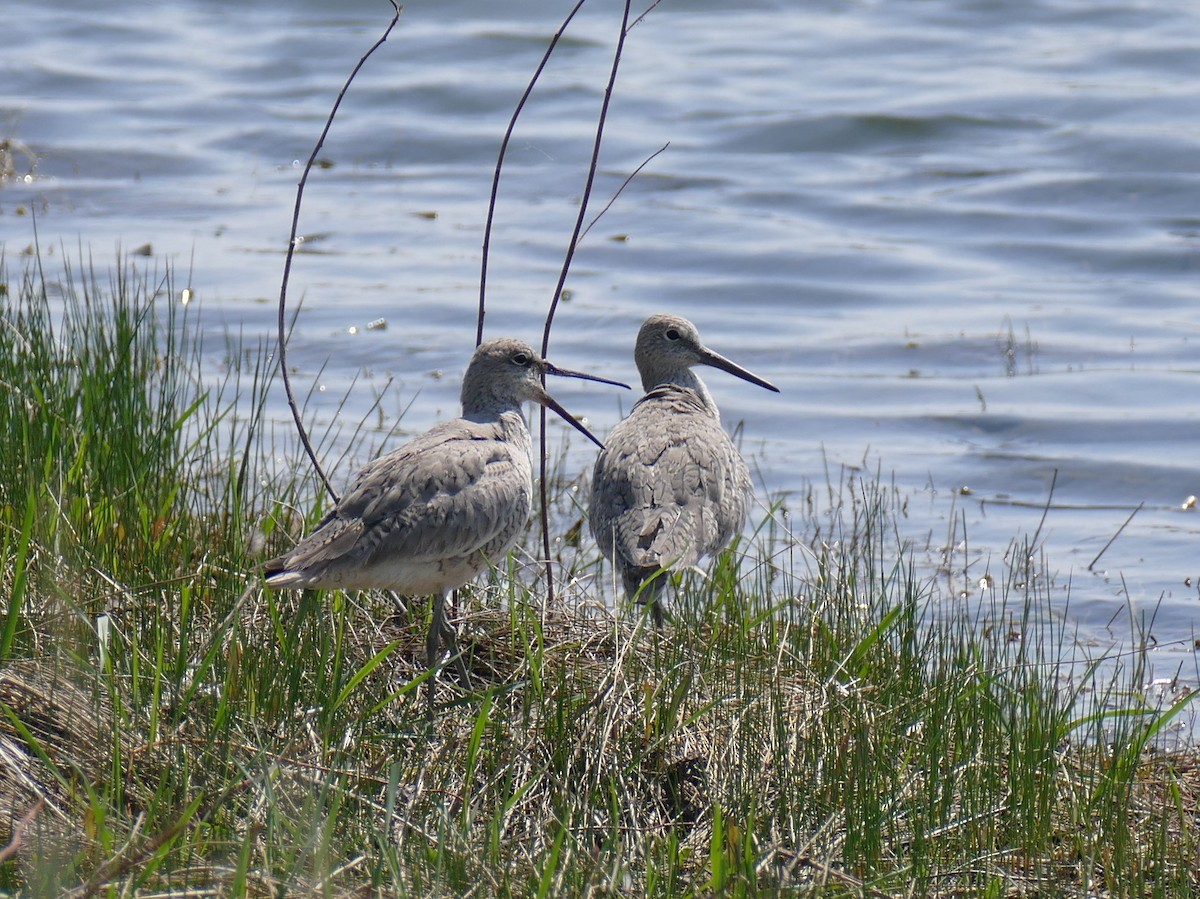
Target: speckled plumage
pixel 669 487
pixel 424 518
pixel 429 516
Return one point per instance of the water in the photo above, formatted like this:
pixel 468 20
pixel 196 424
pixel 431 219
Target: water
pixel 962 238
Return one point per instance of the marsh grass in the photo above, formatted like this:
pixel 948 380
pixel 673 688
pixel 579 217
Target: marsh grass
pixel 803 726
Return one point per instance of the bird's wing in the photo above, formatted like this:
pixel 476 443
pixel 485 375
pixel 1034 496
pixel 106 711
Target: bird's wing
pixel 669 486
pixel 452 491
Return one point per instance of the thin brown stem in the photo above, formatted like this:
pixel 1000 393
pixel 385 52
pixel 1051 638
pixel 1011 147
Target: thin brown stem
pixel 562 278
pixel 291 251
pixel 621 189
pixel 19 829
pixel 512 124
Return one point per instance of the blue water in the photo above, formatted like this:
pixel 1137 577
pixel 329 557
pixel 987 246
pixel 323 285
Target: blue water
pixel 964 239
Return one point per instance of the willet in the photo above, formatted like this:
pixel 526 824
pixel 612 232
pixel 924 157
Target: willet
pixel 427 517
pixel 669 486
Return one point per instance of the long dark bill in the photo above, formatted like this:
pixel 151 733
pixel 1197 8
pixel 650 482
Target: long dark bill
pixel 552 369
pixel 551 403
pixel 716 360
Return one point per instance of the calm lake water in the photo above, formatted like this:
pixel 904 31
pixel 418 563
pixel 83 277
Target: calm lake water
pixel 963 238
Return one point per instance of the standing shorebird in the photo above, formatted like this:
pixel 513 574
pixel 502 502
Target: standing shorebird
pixel 426 518
pixel 669 486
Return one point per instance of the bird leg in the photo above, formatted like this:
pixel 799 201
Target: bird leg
pixel 646 585
pixel 450 636
pixel 656 611
pixel 442 631
pixel 433 644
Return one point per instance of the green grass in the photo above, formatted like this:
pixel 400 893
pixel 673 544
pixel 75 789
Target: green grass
pixel 804 726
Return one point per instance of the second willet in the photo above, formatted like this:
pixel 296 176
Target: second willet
pixel 669 487
pixel 427 517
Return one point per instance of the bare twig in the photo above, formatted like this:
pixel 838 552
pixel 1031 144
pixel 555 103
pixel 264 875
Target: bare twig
pixel 621 189
pixel 588 182
pixel 291 250
pixel 562 278
pixel 512 124
pixel 17 843
pixel 1113 538
pixel 645 12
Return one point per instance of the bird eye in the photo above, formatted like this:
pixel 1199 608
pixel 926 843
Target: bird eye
pixel 672 334
pixel 520 358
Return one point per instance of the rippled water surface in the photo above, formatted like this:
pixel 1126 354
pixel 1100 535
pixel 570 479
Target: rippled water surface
pixel 963 238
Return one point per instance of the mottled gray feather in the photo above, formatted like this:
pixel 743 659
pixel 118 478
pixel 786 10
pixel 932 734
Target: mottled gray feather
pixel 461 488
pixel 430 515
pixel 669 487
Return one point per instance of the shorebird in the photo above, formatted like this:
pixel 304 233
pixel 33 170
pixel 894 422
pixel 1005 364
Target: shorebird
pixel 669 487
pixel 427 517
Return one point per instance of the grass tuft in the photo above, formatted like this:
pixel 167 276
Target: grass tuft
pixel 817 722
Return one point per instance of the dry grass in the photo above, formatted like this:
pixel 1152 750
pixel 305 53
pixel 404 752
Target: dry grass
pixel 803 726
pixel 561 713
pixel 595 706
